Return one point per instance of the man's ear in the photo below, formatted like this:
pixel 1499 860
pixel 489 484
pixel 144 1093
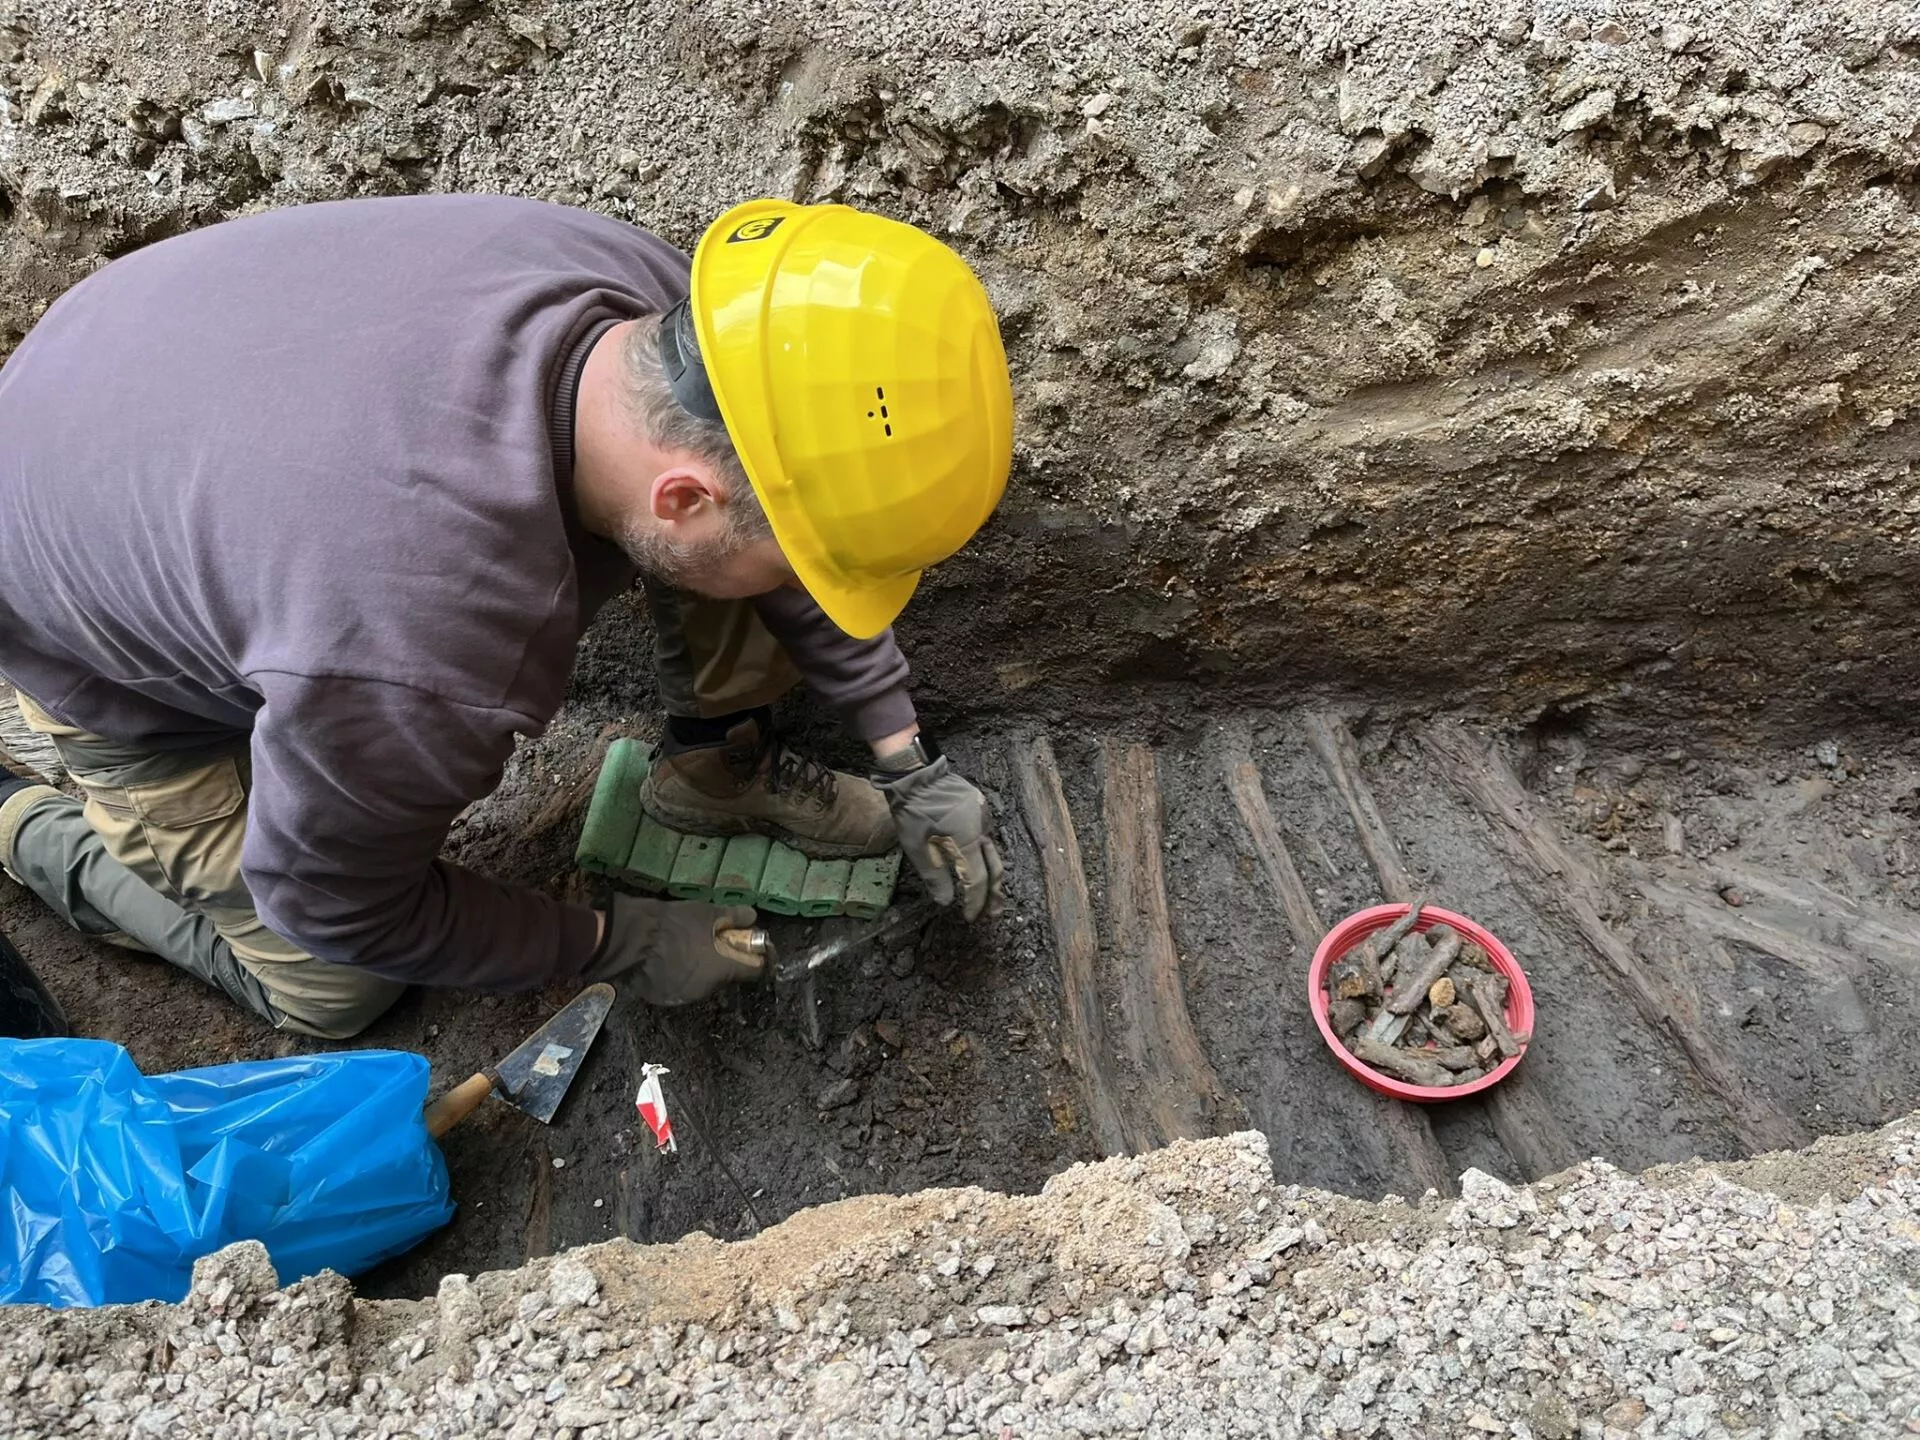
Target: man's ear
pixel 678 494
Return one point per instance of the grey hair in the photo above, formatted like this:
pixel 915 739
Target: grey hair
pixel 651 404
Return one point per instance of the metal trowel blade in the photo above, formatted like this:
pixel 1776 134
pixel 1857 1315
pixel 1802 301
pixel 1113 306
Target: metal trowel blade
pixel 535 1077
pixel 798 967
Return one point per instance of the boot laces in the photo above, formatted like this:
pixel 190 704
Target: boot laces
pixel 792 773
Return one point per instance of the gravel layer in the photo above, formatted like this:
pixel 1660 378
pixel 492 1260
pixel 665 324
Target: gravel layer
pixel 1181 1293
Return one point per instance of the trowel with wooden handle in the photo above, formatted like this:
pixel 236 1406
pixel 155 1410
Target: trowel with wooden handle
pixel 535 1077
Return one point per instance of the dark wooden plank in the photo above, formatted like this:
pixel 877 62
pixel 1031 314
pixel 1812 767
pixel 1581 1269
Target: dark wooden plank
pixel 1250 799
pixel 1076 943
pixel 1566 882
pixel 1790 919
pixel 1404 1129
pixel 1181 1090
pixel 1529 1129
pixel 539 1229
pixel 1521 1117
pixel 1333 744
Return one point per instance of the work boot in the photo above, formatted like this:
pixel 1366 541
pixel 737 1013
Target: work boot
pixel 751 784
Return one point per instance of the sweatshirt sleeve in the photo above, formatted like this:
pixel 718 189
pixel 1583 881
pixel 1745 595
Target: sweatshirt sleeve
pixel 865 680
pixel 355 786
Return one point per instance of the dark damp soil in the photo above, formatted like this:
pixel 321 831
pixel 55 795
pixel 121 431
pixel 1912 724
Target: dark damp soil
pixel 1770 890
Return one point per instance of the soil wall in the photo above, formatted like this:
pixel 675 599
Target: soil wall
pixel 1549 354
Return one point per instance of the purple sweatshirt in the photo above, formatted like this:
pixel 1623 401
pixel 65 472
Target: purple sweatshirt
pixel 299 477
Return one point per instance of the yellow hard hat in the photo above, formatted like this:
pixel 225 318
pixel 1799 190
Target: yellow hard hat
pixel 858 366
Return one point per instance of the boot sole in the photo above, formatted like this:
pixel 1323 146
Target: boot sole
pixel 706 822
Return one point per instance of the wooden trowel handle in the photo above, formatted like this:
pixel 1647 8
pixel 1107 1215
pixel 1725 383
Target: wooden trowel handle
pixel 458 1103
pixel 750 945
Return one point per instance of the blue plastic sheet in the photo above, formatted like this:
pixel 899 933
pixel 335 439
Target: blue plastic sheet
pixel 113 1183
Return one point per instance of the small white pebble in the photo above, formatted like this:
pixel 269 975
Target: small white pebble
pixel 598 1203
pixel 558 1163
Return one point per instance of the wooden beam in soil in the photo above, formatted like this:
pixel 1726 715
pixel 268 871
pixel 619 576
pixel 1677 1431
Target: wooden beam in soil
pixel 1566 882
pixel 1772 926
pixel 1250 799
pixel 1525 1124
pixel 1333 744
pixel 1759 925
pixel 1404 1129
pixel 1857 931
pixel 1181 1089
pixel 540 1199
pixel 1076 943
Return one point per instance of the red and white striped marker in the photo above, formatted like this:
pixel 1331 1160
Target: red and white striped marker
pixel 652 1104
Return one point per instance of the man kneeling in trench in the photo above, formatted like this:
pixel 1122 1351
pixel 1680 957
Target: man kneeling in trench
pixel 302 517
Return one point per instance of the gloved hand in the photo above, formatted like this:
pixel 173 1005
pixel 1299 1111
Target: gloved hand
pixel 943 822
pixel 670 951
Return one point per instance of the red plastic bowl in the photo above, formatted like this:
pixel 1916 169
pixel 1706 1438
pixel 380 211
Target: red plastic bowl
pixel 1355 928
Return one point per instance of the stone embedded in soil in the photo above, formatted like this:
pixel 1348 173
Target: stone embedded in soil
pixel 1627 1414
pixel 1003 1315
pixel 225 112
pixel 838 1095
pixel 1552 1418
pixel 1278 1240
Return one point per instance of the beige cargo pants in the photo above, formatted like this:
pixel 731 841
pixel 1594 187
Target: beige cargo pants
pixel 714 657
pixel 174 823
pixel 152 859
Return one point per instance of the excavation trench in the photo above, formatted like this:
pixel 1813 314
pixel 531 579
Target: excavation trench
pixel 1469 457
pixel 1719 937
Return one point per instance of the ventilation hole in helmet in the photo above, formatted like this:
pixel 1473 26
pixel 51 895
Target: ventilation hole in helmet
pixel 889 432
pixel 880 391
pixel 883 413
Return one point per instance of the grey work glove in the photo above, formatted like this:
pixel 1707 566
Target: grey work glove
pixel 671 951
pixel 943 823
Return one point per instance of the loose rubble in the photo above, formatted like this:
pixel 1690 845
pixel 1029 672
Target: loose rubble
pixel 1181 1293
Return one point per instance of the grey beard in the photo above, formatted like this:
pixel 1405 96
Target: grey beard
pixel 678 566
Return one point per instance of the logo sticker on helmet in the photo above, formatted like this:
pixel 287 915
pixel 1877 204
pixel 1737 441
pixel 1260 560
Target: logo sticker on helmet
pixel 755 229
